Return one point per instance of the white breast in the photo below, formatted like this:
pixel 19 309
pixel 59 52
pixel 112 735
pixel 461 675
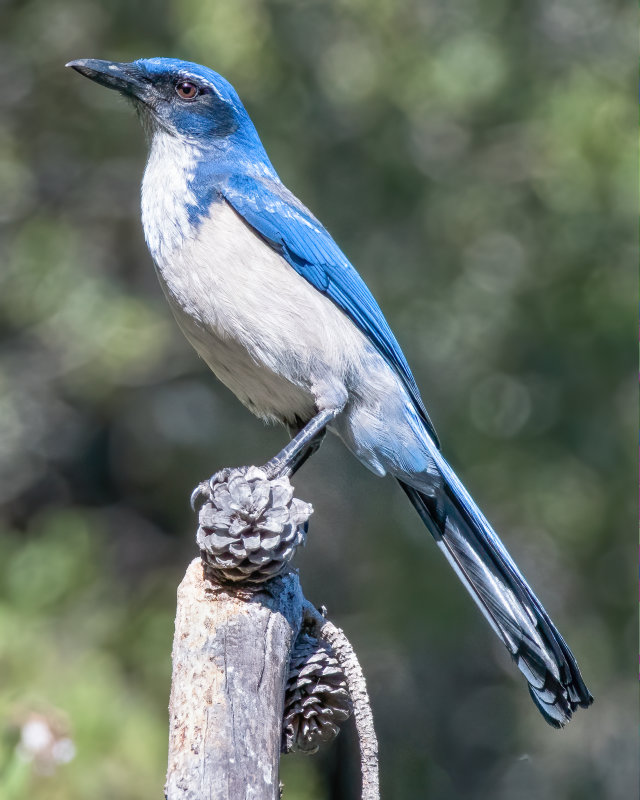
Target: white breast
pixel 282 347
pixel 166 193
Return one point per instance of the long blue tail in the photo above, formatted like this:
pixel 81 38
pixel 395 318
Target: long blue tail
pixel 491 577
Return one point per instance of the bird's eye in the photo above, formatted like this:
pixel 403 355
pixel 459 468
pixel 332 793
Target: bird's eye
pixel 187 90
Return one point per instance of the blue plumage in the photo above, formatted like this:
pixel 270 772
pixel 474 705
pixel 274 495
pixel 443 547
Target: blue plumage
pixel 275 308
pixel 239 170
pixel 279 217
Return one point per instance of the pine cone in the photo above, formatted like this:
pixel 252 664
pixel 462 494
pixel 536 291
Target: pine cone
pixel 250 526
pixel 316 698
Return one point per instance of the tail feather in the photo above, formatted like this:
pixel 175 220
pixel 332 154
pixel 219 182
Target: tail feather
pixel 514 612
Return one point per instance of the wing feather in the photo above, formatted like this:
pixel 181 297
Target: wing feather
pixel 274 213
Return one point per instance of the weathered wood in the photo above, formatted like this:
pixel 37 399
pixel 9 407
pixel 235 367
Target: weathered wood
pixel 231 654
pixel 362 713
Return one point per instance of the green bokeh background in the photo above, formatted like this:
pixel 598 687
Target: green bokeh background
pixel 475 161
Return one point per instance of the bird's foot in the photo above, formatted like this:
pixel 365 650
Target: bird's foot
pixel 282 465
pixel 276 467
pixel 203 490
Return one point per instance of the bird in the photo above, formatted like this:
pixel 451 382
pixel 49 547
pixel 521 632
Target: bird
pixel 283 319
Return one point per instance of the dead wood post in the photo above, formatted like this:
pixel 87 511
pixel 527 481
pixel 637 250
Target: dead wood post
pixel 230 663
pixel 248 647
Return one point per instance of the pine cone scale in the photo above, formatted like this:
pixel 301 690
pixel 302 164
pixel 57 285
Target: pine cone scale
pixel 250 526
pixel 316 696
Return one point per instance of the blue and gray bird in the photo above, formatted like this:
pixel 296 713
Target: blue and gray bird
pixel 273 306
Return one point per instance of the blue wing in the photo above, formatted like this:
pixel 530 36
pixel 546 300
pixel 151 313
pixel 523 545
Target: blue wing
pixel 290 228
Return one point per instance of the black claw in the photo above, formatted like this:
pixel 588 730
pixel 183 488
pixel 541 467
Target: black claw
pixel 220 477
pixel 205 488
pixel 201 488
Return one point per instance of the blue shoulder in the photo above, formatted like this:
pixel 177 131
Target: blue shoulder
pixel 290 228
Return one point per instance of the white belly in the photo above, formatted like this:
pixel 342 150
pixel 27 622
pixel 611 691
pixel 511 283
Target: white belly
pixel 282 347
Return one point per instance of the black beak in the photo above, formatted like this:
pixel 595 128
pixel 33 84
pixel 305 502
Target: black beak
pixel 124 77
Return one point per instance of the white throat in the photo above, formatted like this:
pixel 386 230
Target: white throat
pixel 166 194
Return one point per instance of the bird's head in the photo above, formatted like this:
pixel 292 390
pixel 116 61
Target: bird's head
pixel 184 99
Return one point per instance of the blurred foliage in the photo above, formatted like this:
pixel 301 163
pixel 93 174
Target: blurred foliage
pixel 475 161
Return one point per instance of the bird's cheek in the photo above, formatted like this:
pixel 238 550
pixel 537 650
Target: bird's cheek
pixel 162 112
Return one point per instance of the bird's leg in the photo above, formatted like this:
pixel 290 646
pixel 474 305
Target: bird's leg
pixel 309 450
pixel 303 445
